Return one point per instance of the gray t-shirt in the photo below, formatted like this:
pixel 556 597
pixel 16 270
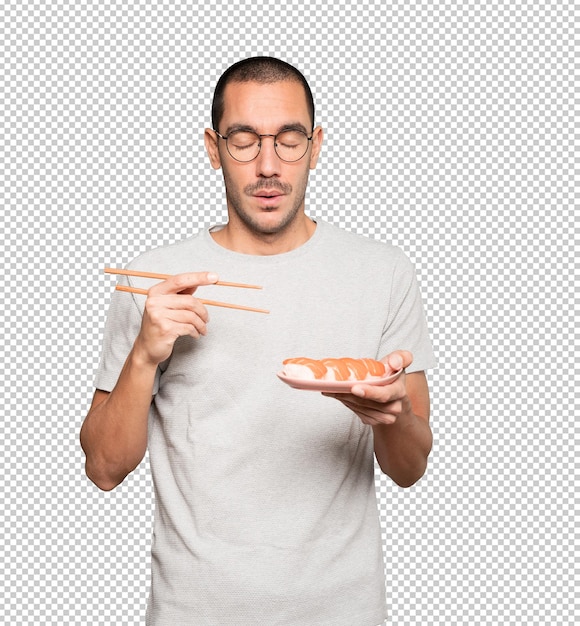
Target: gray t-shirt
pixel 265 499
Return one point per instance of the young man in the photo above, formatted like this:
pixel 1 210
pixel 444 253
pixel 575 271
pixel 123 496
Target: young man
pixel 265 499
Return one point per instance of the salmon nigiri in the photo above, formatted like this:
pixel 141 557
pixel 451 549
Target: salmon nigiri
pixel 341 369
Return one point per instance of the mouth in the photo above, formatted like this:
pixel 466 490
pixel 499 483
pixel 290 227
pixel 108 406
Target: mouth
pixel 265 193
pixel 268 198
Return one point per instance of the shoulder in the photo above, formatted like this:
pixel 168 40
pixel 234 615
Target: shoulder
pixel 356 246
pixel 169 259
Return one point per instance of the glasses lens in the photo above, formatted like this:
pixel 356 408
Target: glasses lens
pixel 291 145
pixel 243 145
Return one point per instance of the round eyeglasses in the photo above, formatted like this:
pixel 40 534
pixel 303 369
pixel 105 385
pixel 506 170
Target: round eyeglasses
pixel 245 145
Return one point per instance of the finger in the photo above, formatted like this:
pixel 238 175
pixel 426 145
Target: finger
pixel 164 319
pixel 177 302
pixel 360 404
pixel 179 325
pixel 348 397
pixel 184 283
pixel 189 330
pixel 381 393
pixel 188 318
pixel 399 359
pixel 370 415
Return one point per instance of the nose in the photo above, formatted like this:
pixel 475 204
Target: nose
pixel 267 162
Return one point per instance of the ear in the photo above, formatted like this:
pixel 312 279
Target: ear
pixel 211 145
pixel 317 137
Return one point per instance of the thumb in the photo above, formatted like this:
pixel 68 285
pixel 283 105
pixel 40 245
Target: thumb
pixel 399 359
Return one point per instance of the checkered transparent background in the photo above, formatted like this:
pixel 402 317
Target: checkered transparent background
pixel 449 131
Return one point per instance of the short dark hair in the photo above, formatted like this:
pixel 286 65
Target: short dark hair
pixel 260 69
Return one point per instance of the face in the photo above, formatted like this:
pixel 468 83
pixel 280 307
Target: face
pixel 266 195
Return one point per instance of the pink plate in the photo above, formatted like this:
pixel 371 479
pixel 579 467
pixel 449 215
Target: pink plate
pixel 338 386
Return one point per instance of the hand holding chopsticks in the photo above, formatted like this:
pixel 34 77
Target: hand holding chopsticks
pixel 155 275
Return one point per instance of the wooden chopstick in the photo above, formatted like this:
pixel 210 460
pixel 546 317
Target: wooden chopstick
pixel 112 270
pixel 226 305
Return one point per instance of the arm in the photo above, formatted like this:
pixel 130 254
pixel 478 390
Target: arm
pixel 114 432
pixel 402 447
pixel 399 415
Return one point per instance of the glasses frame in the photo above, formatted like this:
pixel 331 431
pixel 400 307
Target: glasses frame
pixel 226 137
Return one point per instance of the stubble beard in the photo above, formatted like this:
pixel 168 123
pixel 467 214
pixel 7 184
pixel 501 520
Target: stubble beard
pixel 236 199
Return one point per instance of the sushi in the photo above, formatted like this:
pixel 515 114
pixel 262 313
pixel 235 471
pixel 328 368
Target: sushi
pixel 341 369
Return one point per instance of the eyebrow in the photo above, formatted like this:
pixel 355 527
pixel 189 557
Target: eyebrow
pixel 252 129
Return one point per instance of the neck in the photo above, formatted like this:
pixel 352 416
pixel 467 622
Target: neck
pixel 237 237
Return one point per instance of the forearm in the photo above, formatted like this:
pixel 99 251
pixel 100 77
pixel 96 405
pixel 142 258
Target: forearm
pixel 402 448
pixel 114 433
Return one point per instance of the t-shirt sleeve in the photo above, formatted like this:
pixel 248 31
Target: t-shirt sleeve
pixel 121 329
pixel 406 325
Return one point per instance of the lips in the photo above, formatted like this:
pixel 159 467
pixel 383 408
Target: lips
pixel 268 195
pixel 265 193
pixel 268 199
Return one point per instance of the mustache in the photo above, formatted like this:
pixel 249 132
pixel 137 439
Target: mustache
pixel 271 185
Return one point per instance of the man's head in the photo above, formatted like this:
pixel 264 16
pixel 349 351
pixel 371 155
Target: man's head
pixel 262 70
pixel 265 168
